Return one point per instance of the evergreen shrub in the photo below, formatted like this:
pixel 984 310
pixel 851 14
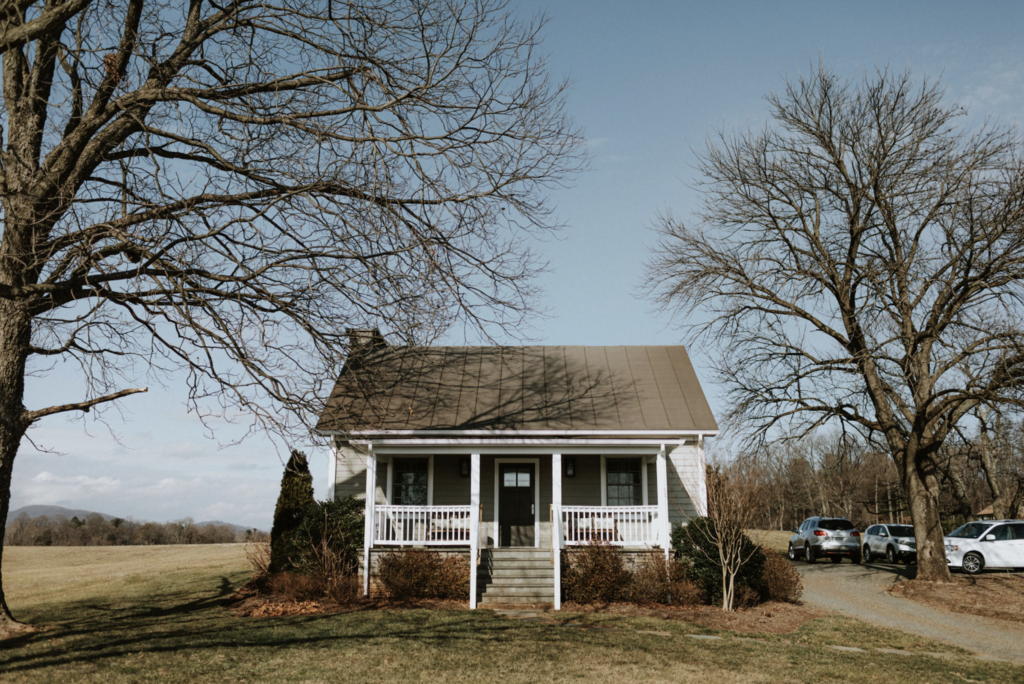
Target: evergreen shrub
pixel 693 547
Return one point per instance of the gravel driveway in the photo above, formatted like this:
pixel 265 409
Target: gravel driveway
pixel 860 591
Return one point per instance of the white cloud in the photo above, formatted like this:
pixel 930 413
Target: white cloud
pixel 46 487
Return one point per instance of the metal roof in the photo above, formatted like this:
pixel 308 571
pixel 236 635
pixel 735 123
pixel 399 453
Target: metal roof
pixel 518 388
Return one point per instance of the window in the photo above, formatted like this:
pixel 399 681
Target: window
pixel 836 524
pixel 1002 533
pixel 872 530
pixel 409 482
pixel 971 530
pixel 1018 530
pixel 624 481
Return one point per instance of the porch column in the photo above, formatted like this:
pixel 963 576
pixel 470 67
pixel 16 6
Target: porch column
pixel 332 469
pixel 556 525
pixel 474 524
pixel 370 529
pixel 665 536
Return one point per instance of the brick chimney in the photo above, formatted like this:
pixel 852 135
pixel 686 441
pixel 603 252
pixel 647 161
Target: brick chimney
pixel 361 340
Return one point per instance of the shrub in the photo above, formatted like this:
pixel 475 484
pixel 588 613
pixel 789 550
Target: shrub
pixel 328 538
pixel 258 555
pixel 421 574
pixel 692 543
pixel 650 580
pixel 292 585
pixel 292 503
pixel 344 588
pixel 781 579
pixel 594 573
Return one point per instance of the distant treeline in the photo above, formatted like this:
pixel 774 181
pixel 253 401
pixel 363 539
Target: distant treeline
pixel 94 530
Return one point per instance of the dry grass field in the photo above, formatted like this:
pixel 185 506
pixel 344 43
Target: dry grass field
pixel 157 614
pixel 775 540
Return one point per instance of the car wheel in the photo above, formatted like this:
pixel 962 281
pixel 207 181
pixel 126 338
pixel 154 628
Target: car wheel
pixel 836 559
pixel 792 553
pixel 867 554
pixel 890 555
pixel 973 563
pixel 809 554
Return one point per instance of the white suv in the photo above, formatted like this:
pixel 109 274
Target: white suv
pixel 986 544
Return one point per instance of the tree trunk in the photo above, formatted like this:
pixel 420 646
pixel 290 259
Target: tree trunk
pixel 15 333
pixel 922 487
pixel 989 463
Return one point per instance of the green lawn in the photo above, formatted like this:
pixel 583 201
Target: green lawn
pixel 155 614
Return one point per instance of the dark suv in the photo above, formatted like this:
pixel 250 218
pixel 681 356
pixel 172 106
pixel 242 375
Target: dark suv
pixel 818 537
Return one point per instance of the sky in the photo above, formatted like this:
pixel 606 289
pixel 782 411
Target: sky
pixel 650 80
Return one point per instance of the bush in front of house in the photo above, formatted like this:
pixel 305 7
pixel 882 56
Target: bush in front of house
pixel 424 574
pixel 599 573
pixel 699 555
pixel 781 579
pixel 594 573
pixel 328 538
pixel 292 503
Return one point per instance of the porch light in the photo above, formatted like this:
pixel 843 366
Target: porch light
pixel 570 467
pixel 463 467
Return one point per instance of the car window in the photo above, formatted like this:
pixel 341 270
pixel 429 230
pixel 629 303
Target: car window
pixel 836 525
pixel 901 530
pixel 1002 533
pixel 871 530
pixel 1018 530
pixel 883 530
pixel 971 530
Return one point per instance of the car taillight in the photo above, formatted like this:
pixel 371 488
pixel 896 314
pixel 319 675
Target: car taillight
pixel 855 533
pixel 819 533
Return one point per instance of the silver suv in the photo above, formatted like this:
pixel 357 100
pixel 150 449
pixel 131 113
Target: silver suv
pixel 835 538
pixel 895 542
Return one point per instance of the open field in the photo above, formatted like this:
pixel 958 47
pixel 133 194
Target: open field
pixel 777 540
pixel 156 614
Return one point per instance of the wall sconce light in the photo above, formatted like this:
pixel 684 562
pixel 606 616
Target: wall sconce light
pixel 570 467
pixel 463 467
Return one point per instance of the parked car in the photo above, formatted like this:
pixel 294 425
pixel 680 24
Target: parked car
pixel 895 542
pixel 818 537
pixel 974 546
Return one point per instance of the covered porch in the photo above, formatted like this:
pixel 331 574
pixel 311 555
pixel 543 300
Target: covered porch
pixel 542 496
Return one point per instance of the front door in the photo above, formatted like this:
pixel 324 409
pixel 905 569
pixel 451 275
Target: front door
pixel 516 514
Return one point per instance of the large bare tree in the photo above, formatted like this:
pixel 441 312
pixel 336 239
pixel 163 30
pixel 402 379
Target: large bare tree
pixel 221 188
pixel 859 260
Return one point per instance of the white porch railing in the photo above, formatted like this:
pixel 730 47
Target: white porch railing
pixel 421 525
pixel 615 525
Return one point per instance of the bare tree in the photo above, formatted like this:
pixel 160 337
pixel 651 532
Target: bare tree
pixel 860 261
pixel 735 498
pixel 224 187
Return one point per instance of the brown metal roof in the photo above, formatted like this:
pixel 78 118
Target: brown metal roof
pixel 518 388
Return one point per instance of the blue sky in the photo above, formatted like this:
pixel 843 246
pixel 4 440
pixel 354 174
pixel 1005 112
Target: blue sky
pixel 651 80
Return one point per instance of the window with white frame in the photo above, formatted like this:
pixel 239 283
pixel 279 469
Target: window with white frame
pixel 409 482
pixel 624 481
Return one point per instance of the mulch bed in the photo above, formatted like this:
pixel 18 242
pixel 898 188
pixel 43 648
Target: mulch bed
pixel 999 596
pixel 772 617
pixel 249 602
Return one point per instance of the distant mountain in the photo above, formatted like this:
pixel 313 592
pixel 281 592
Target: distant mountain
pixel 221 523
pixel 54 512
pixel 61 512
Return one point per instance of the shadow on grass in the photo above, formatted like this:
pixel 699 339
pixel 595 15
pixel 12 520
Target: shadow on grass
pixel 181 621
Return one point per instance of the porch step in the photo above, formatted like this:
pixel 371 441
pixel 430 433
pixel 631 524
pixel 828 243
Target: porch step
pixel 489 601
pixel 516 606
pixel 505 571
pixel 521 554
pixel 517 578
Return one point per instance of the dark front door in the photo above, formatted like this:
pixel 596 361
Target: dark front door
pixel 516 514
